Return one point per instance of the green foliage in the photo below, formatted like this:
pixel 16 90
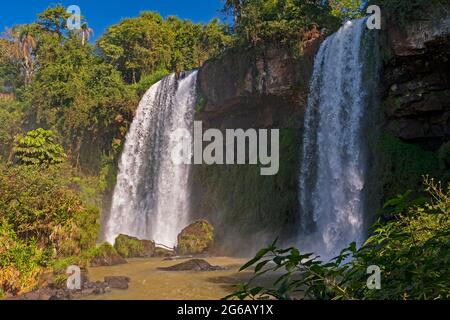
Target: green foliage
pixel 347 9
pixel 101 251
pixel 10 66
pixel 53 19
pixel 129 247
pixel 21 262
pixel 141 46
pixel 77 94
pixel 412 250
pixel 10 126
pixel 148 80
pixel 103 255
pixel 38 205
pixel 279 20
pixel 41 219
pixel 38 147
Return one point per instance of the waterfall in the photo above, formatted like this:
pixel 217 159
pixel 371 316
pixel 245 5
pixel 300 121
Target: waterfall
pixel 150 198
pixel 334 164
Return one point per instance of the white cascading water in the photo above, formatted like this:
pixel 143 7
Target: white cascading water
pixel 333 168
pixel 150 199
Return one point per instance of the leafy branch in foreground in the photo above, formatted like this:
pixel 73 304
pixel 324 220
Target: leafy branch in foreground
pixel 412 250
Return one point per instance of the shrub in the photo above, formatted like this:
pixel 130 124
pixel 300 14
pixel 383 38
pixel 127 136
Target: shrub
pixel 148 80
pixel 10 121
pixel 130 247
pixel 38 147
pixel 21 262
pixel 38 205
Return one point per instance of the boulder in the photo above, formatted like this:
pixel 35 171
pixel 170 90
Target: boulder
pixel 131 247
pixel 192 265
pixel 196 238
pixel 117 282
pixel 105 255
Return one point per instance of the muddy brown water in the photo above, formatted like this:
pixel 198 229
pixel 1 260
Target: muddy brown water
pixel 149 283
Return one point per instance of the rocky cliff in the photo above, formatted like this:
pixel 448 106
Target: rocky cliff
pixel 256 88
pixel 415 102
pixel 268 88
pixel 416 81
pixel 253 88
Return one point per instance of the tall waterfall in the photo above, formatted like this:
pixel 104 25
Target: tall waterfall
pixel 334 167
pixel 150 199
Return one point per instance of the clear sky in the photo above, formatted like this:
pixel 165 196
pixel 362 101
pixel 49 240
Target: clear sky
pixel 102 13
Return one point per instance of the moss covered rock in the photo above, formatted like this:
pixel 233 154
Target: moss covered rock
pixel 104 255
pixel 196 238
pixel 131 247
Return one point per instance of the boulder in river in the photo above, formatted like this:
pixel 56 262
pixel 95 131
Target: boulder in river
pixel 192 265
pixel 105 255
pixel 117 282
pixel 131 247
pixel 196 238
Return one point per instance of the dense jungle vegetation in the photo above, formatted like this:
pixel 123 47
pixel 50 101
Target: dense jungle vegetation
pixel 66 104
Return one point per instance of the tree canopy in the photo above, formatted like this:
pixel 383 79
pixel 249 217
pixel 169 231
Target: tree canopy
pixel 143 45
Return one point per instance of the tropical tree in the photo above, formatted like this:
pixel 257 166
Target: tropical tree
pixel 26 45
pixel 140 46
pixel 54 19
pixel 235 6
pixel 85 33
pixel 347 9
pixel 137 46
pixel 10 65
pixel 278 20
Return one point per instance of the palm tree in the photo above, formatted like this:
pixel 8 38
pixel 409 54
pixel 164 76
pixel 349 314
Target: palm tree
pixel 236 7
pixel 85 33
pixel 25 45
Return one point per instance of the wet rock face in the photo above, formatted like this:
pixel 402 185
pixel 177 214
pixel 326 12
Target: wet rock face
pixel 417 82
pixel 414 38
pixel 264 88
pixel 255 88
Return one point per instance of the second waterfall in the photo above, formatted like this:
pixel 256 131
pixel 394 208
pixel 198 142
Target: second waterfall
pixel 151 196
pixel 334 192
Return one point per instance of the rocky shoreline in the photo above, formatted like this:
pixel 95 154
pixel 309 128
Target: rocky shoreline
pixel 51 292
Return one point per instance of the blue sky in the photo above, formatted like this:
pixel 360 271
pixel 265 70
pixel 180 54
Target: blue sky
pixel 102 13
